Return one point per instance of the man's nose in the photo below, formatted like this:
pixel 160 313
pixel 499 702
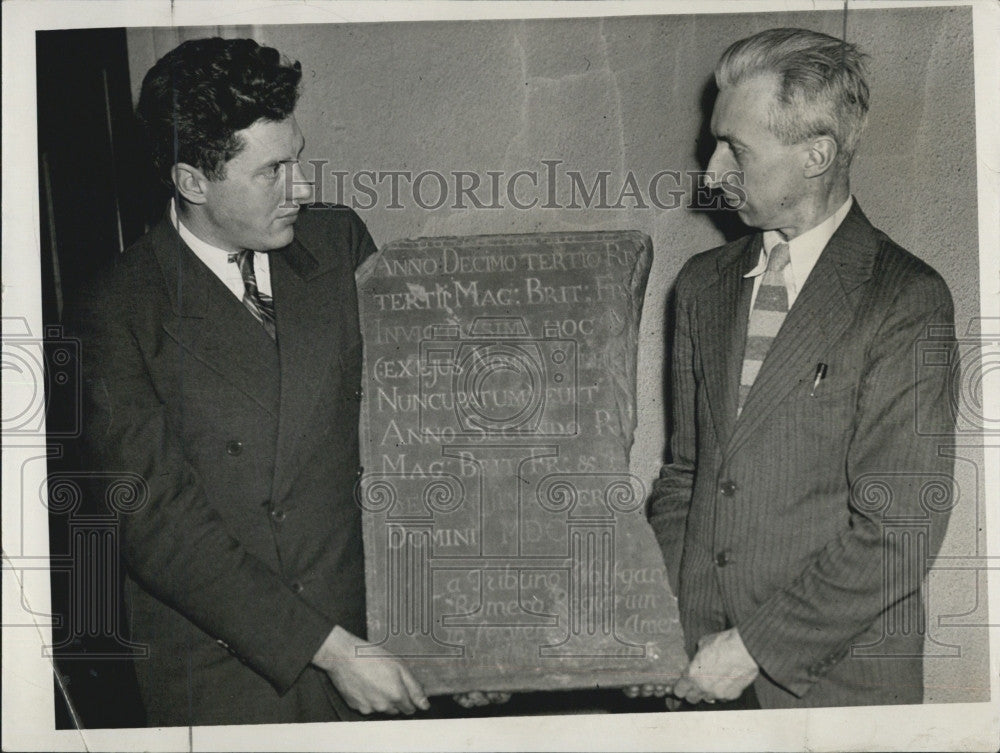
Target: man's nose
pixel 715 168
pixel 302 188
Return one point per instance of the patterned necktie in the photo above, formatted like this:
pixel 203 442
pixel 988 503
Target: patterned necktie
pixel 257 303
pixel 769 310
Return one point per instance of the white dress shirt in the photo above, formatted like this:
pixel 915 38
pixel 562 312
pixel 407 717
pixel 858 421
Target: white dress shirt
pixel 803 251
pixel 217 260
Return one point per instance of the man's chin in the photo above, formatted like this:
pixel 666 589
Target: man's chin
pixel 279 240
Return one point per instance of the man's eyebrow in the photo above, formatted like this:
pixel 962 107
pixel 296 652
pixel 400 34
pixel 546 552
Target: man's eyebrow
pixel 292 158
pixel 728 138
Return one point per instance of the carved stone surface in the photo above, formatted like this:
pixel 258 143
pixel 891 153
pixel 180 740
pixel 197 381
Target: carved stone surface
pixel 506 545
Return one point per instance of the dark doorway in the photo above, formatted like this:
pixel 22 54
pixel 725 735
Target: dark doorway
pixel 90 170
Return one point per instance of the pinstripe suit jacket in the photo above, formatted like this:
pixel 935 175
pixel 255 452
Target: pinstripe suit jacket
pixel 248 549
pixel 788 521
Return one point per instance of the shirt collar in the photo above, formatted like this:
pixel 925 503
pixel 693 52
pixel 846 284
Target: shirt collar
pixel 803 250
pixel 202 249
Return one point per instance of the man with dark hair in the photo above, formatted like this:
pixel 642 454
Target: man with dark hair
pixel 222 364
pixel 795 392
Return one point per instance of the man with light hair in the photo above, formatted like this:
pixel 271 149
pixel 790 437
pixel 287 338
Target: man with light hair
pixel 795 393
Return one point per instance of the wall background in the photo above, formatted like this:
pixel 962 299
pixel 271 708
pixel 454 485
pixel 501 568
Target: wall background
pixel 624 94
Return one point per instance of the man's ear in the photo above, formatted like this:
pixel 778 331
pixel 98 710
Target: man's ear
pixel 821 153
pixel 190 182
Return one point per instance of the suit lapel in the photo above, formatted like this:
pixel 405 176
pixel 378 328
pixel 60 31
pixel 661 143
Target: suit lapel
pixel 725 307
pixel 309 326
pixel 821 313
pixel 211 324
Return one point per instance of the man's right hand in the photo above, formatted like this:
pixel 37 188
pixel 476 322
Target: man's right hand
pixel 646 691
pixel 375 682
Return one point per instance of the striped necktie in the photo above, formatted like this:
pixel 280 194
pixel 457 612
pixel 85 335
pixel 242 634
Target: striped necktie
pixel 259 304
pixel 766 318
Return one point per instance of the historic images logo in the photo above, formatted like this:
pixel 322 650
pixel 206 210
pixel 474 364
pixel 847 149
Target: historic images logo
pixel 499 401
pixel 498 381
pixel 41 371
pixel 43 415
pixel 550 186
pixel 908 530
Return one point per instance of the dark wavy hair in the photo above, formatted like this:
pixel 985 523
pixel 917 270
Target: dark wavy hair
pixel 198 95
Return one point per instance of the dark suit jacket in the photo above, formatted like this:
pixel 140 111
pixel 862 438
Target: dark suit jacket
pixel 806 522
pixel 248 550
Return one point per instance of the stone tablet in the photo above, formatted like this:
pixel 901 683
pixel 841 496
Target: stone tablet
pixel 506 546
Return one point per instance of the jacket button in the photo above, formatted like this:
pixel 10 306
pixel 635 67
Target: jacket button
pixel 723 558
pixel 277 515
pixel 359 472
pixel 359 394
pixel 234 447
pixel 728 488
pixel 296 587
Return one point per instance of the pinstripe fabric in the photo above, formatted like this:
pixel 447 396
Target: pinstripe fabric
pixel 769 521
pixel 259 304
pixel 766 318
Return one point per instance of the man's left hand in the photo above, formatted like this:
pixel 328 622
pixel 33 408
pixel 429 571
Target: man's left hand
pixel 720 671
pixel 480 698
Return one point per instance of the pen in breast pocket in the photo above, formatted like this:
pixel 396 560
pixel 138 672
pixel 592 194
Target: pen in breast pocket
pixel 820 376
